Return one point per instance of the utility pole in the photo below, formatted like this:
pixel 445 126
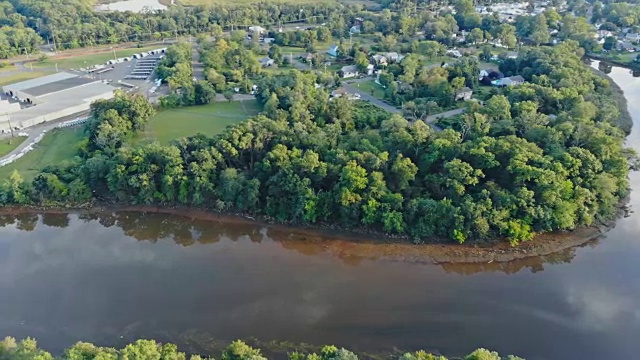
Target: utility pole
pixel 9 121
pixel 53 35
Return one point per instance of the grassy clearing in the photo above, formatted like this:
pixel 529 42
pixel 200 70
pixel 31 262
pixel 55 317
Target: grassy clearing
pixel 8 145
pixel 21 76
pixel 4 67
pixel 81 61
pixel 56 146
pixel 370 87
pixel 209 119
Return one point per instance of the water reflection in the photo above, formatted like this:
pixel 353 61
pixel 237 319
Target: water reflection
pixel 605 67
pixel 185 231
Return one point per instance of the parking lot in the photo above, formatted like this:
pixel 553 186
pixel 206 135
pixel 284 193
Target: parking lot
pixel 134 74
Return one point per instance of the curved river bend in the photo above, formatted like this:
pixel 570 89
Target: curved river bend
pixel 113 278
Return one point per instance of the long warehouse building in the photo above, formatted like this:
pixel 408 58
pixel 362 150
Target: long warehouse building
pixel 52 97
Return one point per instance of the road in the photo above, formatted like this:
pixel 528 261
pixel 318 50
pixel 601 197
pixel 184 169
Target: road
pixel 352 87
pixel 34 131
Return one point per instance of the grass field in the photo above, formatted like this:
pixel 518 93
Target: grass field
pixel 81 61
pixel 7 145
pixel 7 67
pixel 55 147
pixel 367 86
pixel 209 119
pixel 21 76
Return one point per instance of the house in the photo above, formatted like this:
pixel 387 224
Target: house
pixel 349 71
pixel 307 57
pixel 511 55
pixel 633 37
pixel 509 81
pixel 266 62
pixel 370 68
pixel 489 75
pixel 627 46
pixel 258 29
pixel 379 60
pixel 268 40
pixel 333 51
pixel 355 29
pixel 464 94
pixel 454 53
pixel 393 57
pixel 601 34
pixel 340 92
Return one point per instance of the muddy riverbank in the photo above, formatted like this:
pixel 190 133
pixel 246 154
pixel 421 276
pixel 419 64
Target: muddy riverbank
pixel 370 246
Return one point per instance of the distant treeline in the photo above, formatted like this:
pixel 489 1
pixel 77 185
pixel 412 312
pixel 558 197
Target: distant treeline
pixel 25 24
pixel 27 349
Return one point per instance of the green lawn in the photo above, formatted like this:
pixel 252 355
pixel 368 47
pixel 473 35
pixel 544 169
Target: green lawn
pixel 209 119
pixel 21 76
pixel 6 67
pixel 7 145
pixel 82 61
pixel 368 86
pixel 56 146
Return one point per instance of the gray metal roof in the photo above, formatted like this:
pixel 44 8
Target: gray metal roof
pixel 79 95
pixel 38 82
pixel 56 86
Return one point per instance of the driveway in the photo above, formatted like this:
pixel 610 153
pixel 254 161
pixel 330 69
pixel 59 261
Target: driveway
pixel 353 88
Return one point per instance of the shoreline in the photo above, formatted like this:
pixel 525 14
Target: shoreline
pixel 368 246
pixel 626 121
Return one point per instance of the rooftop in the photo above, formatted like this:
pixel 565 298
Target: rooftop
pixel 40 81
pixel 57 86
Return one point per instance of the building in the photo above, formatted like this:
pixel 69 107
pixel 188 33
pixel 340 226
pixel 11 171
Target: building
pixel 7 106
pixel 509 81
pixel 340 92
pixel 393 57
pixel 258 29
pixel 454 53
pixel 333 51
pixel 349 71
pixel 379 60
pixel 52 97
pixel 464 94
pixel 266 62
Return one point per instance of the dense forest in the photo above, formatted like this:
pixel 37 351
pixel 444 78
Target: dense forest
pixel 27 349
pixel 542 156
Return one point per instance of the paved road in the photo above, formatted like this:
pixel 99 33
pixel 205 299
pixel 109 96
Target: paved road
pixel 196 65
pixel 446 114
pixel 36 130
pixel 353 88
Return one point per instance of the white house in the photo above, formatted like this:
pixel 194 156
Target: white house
pixel 258 29
pixel 454 53
pixel 349 71
pixel 379 59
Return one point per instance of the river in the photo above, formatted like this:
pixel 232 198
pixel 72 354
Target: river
pixel 115 277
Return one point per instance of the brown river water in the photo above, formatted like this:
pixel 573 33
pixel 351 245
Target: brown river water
pixel 111 278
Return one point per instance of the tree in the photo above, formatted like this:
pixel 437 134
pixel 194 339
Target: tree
pixel 204 93
pixel 610 43
pixel 275 54
pixel 362 61
pixel 475 36
pixel 238 350
pixel 540 31
pixel 507 35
